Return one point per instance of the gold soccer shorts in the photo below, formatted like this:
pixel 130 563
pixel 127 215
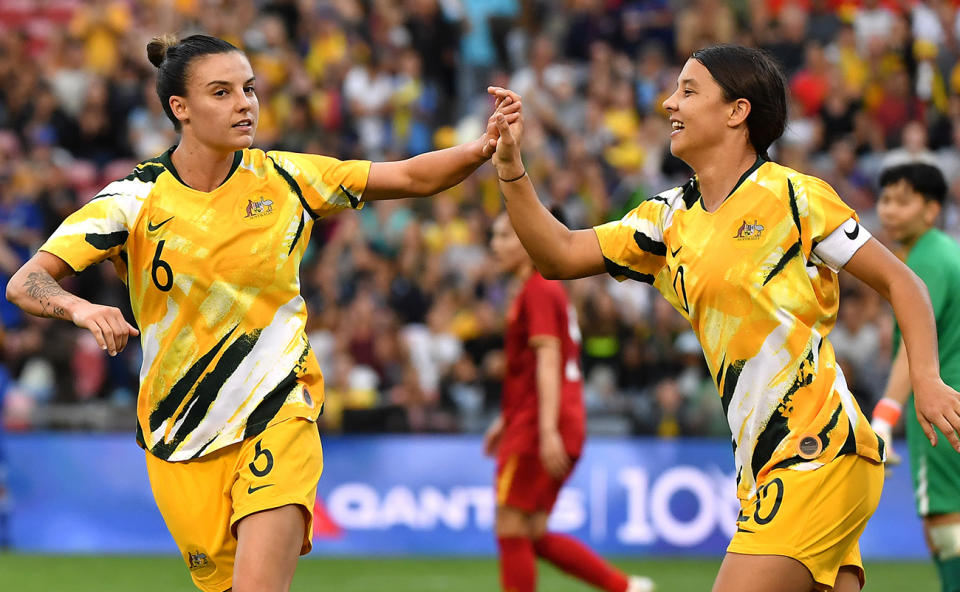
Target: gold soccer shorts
pixel 202 500
pixel 815 517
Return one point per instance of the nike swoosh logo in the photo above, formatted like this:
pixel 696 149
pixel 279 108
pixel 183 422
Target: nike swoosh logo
pixel 674 253
pixel 853 235
pixel 251 489
pixel 744 530
pixel 151 227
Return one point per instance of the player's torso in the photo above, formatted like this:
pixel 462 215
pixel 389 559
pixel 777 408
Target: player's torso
pixel 226 257
pixel 520 400
pixel 739 273
pixel 214 284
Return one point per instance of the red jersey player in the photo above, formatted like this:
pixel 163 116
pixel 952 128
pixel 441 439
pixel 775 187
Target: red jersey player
pixel 539 434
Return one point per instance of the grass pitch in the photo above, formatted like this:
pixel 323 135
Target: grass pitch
pixel 35 573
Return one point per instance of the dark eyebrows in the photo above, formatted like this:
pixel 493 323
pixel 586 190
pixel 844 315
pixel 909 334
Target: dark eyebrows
pixel 688 82
pixel 225 83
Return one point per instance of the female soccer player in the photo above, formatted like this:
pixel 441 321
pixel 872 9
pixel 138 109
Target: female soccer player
pixel 208 238
pixel 748 251
pixel 538 436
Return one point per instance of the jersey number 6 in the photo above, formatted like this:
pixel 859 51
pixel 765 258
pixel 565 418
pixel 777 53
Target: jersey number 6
pixel 159 263
pixel 258 453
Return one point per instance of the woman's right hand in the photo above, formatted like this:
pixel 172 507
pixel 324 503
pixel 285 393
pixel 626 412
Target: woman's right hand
pixel 491 439
pixel 106 323
pixel 507 158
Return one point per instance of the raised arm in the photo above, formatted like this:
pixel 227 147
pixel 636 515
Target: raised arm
pixel 36 289
pixel 937 404
pixel 557 251
pixel 432 172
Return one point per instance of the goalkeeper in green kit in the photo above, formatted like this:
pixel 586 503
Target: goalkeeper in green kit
pixel 910 202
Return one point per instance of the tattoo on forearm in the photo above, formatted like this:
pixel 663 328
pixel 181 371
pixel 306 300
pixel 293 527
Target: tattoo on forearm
pixel 43 288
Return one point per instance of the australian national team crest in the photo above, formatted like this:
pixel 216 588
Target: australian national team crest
pixel 748 231
pixel 198 561
pixel 258 208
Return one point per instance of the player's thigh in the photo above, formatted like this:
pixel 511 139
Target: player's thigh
pixel 280 466
pixel 268 546
pixel 194 499
pixel 848 579
pixel 762 573
pixel 815 517
pixel 942 532
pixel 512 522
pixel 935 472
pixel 538 524
pixel 523 484
pixel 273 499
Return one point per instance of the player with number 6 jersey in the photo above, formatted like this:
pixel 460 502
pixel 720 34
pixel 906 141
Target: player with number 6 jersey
pixel 209 237
pixel 214 285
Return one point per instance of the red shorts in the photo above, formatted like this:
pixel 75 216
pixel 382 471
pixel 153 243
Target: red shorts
pixel 524 484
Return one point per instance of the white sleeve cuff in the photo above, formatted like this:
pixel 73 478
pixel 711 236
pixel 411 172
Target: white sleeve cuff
pixel 841 244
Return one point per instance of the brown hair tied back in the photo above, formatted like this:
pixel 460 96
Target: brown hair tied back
pixel 173 58
pixel 158 46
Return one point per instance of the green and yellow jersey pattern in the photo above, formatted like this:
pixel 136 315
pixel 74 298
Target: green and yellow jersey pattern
pixel 214 284
pixel 757 280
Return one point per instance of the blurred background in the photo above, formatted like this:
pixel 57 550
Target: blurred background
pixel 406 311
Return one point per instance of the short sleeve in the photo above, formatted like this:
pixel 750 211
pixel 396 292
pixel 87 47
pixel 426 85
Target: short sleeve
pixel 832 227
pixel 99 230
pixel 633 246
pixel 840 245
pixel 544 310
pixel 325 185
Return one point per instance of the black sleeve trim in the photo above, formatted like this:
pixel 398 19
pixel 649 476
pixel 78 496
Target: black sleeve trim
pixel 620 271
pixel 645 243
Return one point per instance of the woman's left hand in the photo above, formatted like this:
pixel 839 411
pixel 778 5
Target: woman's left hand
pixel 937 405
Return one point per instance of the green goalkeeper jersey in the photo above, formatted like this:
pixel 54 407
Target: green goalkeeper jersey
pixel 936 471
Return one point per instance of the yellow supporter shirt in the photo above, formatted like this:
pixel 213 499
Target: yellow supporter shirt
pixel 757 280
pixel 214 285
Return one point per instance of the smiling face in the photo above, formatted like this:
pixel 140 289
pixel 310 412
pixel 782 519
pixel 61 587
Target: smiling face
pixel 699 114
pixel 220 109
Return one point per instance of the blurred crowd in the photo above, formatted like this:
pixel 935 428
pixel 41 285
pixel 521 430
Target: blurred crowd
pixel 406 311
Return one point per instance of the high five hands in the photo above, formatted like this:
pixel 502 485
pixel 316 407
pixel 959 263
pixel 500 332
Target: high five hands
pixel 507 108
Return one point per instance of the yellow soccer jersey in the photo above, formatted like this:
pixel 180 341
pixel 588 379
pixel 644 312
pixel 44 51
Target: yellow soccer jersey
pixel 214 284
pixel 757 279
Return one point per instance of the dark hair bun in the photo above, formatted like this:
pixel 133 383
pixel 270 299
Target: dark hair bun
pixel 158 46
